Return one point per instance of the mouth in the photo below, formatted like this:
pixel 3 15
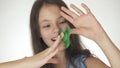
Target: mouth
pixel 54 39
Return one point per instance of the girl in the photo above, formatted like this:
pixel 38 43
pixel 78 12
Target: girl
pixel 47 18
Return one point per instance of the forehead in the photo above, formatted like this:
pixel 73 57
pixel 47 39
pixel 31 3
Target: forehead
pixel 49 12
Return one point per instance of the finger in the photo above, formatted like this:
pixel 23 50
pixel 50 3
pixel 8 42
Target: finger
pixel 49 56
pixel 77 9
pixel 72 14
pixel 66 17
pixel 52 48
pixel 74 31
pixel 62 35
pixel 79 31
pixel 53 60
pixel 85 7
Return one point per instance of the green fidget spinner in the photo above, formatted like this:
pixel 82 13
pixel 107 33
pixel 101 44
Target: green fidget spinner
pixel 65 39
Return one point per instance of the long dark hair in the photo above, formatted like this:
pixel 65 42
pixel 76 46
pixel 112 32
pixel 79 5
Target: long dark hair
pixel 39 45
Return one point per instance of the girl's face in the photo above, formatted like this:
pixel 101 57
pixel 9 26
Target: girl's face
pixel 50 22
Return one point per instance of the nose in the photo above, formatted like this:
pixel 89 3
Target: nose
pixel 56 29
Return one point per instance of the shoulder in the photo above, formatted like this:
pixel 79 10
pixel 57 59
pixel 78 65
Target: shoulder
pixel 92 62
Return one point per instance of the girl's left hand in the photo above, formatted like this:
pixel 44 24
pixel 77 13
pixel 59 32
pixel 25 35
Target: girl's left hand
pixel 85 24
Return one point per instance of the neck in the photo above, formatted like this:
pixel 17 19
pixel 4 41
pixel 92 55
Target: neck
pixel 62 60
pixel 61 56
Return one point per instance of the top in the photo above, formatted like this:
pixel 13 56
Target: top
pixel 79 61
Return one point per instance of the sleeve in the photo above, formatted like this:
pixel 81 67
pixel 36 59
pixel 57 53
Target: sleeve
pixel 79 61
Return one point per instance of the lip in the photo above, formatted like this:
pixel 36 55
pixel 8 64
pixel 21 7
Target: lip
pixel 54 38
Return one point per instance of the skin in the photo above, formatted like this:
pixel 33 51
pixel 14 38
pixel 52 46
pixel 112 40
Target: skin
pixel 38 60
pixel 85 25
pixel 51 22
pixel 88 26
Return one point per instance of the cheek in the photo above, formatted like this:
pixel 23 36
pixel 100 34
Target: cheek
pixel 46 36
pixel 45 33
pixel 64 27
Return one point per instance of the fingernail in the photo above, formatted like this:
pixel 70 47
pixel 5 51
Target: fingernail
pixel 82 3
pixel 62 7
pixel 62 34
pixel 71 4
pixel 58 37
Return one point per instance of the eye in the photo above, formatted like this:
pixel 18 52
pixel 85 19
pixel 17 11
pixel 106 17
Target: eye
pixel 46 26
pixel 63 22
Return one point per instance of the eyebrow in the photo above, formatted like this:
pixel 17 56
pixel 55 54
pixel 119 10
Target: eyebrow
pixel 47 20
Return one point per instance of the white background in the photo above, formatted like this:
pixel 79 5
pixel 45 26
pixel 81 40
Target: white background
pixel 15 42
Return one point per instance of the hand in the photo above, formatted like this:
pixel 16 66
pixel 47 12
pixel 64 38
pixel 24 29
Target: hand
pixel 38 60
pixel 46 56
pixel 85 24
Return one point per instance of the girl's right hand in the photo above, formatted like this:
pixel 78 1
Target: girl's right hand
pixel 37 60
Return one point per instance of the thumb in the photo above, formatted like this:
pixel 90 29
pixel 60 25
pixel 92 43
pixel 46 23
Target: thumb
pixel 75 31
pixel 49 58
pixel 53 60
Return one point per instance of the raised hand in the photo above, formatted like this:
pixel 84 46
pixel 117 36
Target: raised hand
pixel 38 60
pixel 45 57
pixel 85 23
